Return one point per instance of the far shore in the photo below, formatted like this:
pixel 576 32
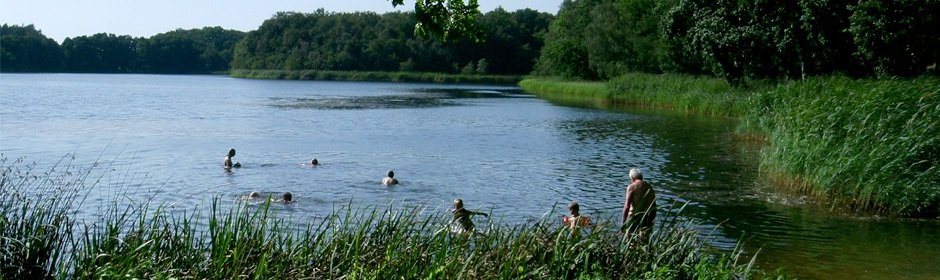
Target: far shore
pixel 374 76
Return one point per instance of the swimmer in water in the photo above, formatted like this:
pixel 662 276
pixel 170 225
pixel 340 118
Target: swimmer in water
pixel 254 195
pixel 227 163
pixel 390 179
pixel 314 162
pixel 287 198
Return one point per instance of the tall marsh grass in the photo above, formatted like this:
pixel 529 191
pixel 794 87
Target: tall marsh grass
pixel 372 76
pixel 871 145
pixel 711 96
pixel 144 241
pixel 859 145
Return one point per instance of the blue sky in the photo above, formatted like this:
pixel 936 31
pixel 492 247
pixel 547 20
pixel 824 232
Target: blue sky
pixel 59 19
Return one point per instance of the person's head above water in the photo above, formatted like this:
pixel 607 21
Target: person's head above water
pixel 390 174
pixel 254 195
pixel 314 162
pixel 458 203
pixel 635 174
pixel 231 152
pixel 574 208
pixel 287 197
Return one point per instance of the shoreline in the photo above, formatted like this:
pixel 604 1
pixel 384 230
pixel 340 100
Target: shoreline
pixel 808 130
pixel 374 76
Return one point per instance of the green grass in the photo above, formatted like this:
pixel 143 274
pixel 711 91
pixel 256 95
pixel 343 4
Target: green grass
pixel 142 241
pixel 870 145
pixel 858 145
pixel 372 76
pixel 710 96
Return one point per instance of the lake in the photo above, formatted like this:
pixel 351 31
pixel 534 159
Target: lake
pixel 162 138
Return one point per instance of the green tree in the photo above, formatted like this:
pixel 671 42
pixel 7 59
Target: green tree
pixel 897 37
pixel 101 53
pixel 370 42
pixel 26 49
pixel 450 20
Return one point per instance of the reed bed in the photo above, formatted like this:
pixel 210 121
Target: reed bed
pixel 870 146
pixel 143 241
pixel 711 96
pixel 373 76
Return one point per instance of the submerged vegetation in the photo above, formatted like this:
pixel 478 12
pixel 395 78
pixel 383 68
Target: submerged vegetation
pixel 867 145
pixel 43 238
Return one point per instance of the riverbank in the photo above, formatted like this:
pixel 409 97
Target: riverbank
pixel 43 238
pixel 866 146
pixel 367 76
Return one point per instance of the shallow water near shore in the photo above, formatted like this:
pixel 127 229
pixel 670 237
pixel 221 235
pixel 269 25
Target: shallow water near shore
pixel 163 138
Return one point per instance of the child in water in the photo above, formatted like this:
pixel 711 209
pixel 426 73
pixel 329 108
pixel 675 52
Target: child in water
pixel 287 198
pixel 462 217
pixel 390 179
pixel 227 163
pixel 575 222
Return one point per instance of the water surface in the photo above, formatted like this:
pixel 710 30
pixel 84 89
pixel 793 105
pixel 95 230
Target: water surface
pixel 163 138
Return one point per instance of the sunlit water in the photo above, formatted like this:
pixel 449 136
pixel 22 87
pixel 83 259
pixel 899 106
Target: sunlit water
pixel 163 139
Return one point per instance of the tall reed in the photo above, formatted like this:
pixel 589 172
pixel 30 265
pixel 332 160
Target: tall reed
pixel 35 218
pixel 138 240
pixel 872 145
pixel 858 145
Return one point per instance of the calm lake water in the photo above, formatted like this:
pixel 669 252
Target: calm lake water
pixel 163 138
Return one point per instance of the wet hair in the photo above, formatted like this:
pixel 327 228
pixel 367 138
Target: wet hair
pixel 636 174
pixel 458 203
pixel 231 152
pixel 254 195
pixel 314 162
pixel 574 207
pixel 287 196
pixel 390 174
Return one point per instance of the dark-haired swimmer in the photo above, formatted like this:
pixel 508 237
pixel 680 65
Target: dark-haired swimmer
pixel 287 198
pixel 227 163
pixel 390 179
pixel 314 162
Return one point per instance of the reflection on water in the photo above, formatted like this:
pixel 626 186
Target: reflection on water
pixel 417 99
pixel 164 138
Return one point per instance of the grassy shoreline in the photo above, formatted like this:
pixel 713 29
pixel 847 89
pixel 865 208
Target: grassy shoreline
pixel 373 76
pixel 41 238
pixel 868 146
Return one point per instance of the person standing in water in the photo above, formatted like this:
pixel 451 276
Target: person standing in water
pixel 462 217
pixel 390 179
pixel 576 221
pixel 639 208
pixel 227 163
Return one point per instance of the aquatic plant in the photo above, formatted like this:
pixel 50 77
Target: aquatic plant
pixel 138 240
pixel 858 145
pixel 870 145
pixel 711 96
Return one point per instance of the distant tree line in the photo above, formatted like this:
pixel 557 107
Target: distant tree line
pixel 205 50
pixel 366 41
pixel 509 43
pixel 738 40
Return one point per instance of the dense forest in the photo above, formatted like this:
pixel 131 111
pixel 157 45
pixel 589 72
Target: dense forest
pixel 509 43
pixel 740 40
pixel 366 41
pixel 206 50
